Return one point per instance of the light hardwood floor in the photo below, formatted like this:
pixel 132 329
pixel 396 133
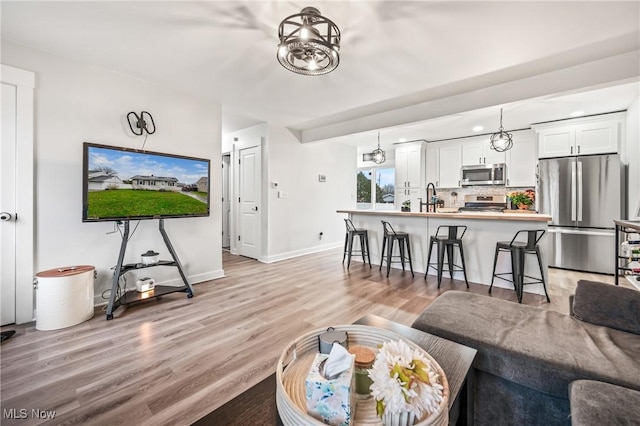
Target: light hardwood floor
pixel 172 360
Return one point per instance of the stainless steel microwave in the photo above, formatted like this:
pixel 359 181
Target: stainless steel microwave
pixel 483 174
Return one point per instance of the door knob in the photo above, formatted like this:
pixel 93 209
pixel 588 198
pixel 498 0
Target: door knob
pixel 6 216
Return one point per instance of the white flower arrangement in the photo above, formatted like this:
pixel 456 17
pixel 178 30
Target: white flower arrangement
pixel 404 381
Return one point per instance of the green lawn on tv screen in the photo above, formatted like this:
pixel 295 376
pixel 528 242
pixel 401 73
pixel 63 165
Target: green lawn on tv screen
pixel 130 203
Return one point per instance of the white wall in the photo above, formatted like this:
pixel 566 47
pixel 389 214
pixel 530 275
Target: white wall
pixel 295 222
pixel 633 159
pixel 77 103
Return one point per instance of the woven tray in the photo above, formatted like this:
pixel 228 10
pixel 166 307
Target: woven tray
pixel 295 361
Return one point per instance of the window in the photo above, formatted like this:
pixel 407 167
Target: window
pixel 380 182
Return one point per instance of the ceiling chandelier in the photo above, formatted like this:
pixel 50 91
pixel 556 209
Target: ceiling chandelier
pixel 501 141
pixel 309 43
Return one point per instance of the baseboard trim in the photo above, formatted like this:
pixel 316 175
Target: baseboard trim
pixel 298 253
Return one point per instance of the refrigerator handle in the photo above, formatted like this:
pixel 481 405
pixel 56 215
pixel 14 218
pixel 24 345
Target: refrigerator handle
pixel 579 183
pixel 573 190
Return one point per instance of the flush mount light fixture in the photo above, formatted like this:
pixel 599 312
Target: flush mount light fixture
pixel 477 128
pixel 309 43
pixel 501 141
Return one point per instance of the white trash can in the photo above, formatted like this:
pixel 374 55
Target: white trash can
pixel 64 296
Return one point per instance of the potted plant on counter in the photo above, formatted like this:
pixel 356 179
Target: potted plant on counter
pixel 523 200
pixel 406 206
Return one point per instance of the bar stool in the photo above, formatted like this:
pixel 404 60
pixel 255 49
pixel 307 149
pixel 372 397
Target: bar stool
pixel 448 239
pixel 518 249
pixel 352 232
pixel 392 235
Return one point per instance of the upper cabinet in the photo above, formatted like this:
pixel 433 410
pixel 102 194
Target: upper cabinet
pixel 410 165
pixel 591 135
pixel 444 161
pixel 410 173
pixel 521 160
pixel 478 151
pixel 433 160
pixel 450 163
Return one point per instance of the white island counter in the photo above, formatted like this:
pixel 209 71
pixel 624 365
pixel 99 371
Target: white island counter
pixel 484 229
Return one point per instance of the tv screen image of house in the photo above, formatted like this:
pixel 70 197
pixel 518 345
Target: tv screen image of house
pixel 127 184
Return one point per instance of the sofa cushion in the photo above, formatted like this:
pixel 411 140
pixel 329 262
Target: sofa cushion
pixel 607 305
pixel 537 348
pixel 597 403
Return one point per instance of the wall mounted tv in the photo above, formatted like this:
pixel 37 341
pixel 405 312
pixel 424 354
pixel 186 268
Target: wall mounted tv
pixel 127 184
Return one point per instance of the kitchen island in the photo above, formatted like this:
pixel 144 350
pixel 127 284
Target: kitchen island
pixel 484 229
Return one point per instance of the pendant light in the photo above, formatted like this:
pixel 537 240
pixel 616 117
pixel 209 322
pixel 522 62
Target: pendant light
pixel 309 43
pixel 501 141
pixel 379 155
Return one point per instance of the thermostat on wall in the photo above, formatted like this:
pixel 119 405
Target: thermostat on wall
pixel 145 284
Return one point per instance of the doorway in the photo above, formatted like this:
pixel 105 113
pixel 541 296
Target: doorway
pixel 226 201
pixel 8 205
pixel 16 201
pixel 249 194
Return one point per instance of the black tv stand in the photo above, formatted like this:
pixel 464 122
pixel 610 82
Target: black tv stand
pixel 159 290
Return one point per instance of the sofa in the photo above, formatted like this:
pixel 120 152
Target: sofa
pixel 528 357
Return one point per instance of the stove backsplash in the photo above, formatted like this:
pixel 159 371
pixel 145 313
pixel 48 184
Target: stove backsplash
pixel 451 200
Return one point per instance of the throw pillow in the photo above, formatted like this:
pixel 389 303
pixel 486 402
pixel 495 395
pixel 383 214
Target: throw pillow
pixel 608 305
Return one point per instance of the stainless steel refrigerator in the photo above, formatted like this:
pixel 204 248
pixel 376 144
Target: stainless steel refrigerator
pixel 583 195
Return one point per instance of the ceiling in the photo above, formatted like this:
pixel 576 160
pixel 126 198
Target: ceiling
pixel 409 69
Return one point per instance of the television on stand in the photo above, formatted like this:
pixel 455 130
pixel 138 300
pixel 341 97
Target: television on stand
pixel 128 184
pixel 122 184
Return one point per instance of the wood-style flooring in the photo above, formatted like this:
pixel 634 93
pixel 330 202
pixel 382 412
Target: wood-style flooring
pixel 172 360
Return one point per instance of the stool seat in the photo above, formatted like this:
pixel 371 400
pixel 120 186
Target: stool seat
pixel 352 233
pixel 446 240
pixel 518 249
pixel 390 235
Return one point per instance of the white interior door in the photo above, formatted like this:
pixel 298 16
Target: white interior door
pixel 249 194
pixel 226 202
pixel 8 206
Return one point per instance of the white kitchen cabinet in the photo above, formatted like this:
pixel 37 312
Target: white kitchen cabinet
pixel 409 194
pixel 557 142
pixel 591 135
pixel 521 160
pixel 410 173
pixel 479 151
pixel 597 138
pixel 450 163
pixel 410 161
pixel 433 172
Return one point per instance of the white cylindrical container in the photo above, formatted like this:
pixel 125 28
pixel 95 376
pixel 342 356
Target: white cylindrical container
pixel 64 296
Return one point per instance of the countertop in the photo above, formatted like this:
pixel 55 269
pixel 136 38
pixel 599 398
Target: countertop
pixel 526 217
pixel 635 224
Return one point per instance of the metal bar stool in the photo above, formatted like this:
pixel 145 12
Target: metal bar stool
pixel 518 249
pixel 391 235
pixel 351 234
pixel 447 241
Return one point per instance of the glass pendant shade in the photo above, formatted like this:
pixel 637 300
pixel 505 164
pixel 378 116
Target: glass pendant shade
pixel 501 141
pixel 309 43
pixel 379 156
